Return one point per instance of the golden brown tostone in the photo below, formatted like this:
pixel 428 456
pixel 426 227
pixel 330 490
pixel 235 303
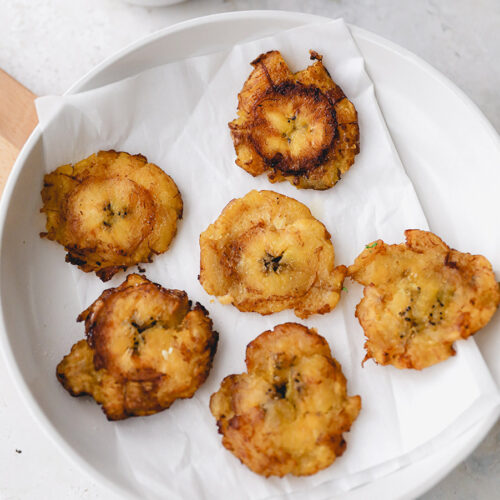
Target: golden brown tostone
pixel 288 413
pixel 266 253
pixel 420 297
pixel 145 348
pixel 111 211
pixel 298 127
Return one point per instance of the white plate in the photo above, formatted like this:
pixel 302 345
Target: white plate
pixel 439 134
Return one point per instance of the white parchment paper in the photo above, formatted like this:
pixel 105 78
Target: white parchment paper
pixel 177 116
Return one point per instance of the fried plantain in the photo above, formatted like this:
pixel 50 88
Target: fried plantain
pixel 266 253
pixel 420 297
pixel 145 348
pixel 111 211
pixel 298 127
pixel 287 414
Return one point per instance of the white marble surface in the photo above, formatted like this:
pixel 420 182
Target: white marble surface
pixel 48 44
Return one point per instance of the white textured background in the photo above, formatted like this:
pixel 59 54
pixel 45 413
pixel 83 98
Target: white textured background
pixel 48 44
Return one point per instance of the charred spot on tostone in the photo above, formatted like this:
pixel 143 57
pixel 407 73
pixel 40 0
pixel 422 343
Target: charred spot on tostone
pixel 73 259
pixel 280 390
pixel 138 339
pixel 145 326
pixel 314 56
pixel 405 312
pixel 108 272
pixel 276 160
pixel 450 263
pixel 272 263
pixel 111 213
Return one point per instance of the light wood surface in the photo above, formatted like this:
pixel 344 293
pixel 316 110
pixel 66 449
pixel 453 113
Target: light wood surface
pixel 17 121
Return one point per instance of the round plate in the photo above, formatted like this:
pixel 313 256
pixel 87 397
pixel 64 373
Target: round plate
pixel 438 132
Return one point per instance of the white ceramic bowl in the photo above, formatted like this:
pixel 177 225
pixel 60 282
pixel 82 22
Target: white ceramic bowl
pixel 422 110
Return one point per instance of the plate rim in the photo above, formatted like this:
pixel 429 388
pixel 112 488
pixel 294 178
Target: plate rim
pixel 481 428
